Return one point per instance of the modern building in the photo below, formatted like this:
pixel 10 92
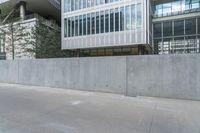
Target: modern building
pixel 127 27
pixel 28 13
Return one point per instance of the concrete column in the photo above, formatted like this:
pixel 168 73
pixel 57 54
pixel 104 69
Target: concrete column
pixel 22 6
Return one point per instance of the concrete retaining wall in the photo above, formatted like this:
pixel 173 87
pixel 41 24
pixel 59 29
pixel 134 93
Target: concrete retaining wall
pixel 170 76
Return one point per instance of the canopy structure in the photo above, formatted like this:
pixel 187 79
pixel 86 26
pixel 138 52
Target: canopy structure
pixel 43 7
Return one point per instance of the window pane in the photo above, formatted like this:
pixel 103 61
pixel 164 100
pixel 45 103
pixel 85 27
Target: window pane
pixel 102 22
pixel 80 4
pixel 106 1
pixel 121 18
pixel 111 20
pixel 88 3
pixel 199 25
pixel 133 18
pixel 72 23
pixel 76 4
pixel 72 5
pixel 84 25
pixel 179 27
pixel 67 5
pixel 139 15
pixel 190 26
pixel 167 9
pixel 167 29
pixel 128 18
pixel 84 3
pixel 88 24
pixel 92 3
pixel 102 1
pixel 80 25
pixel 97 23
pixel 116 19
pixel 65 27
pixel 107 21
pixel 93 23
pixel 157 30
pixel 69 27
pixel 76 26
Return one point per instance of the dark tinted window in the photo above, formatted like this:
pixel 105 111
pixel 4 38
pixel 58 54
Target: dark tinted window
pixel 157 30
pixel 190 26
pixel 179 27
pixel 167 29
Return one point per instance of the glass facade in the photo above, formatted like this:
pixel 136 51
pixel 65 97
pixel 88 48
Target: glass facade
pixel 73 5
pixel 112 20
pixel 174 7
pixel 177 36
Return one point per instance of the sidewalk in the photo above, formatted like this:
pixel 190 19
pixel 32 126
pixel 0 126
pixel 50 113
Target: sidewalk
pixel 31 109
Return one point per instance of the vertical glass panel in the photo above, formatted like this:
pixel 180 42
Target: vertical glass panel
pixel 176 6
pixel 76 4
pixel 97 2
pixel 111 20
pixel 92 3
pixel 67 6
pixel 106 1
pixel 167 8
pixel 72 5
pixel 88 24
pixel 93 23
pixel 72 23
pixel 69 27
pixel 133 18
pixel 102 1
pixel 97 22
pixel 128 18
pixel 88 3
pixel 139 15
pixel 76 26
pixel 107 21
pixel 84 25
pixel 102 22
pixel 65 27
pixel 158 10
pixel 84 3
pixel 179 27
pixel 157 30
pixel 190 26
pixel 80 25
pixel 199 25
pixel 80 4
pixel 121 18
pixel 116 19
pixel 167 29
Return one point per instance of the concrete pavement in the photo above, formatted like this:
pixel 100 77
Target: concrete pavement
pixel 31 109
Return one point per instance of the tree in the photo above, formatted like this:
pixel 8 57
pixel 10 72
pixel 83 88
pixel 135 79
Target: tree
pixel 44 42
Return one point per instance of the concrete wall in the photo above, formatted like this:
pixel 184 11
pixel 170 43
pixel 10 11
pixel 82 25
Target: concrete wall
pixel 170 76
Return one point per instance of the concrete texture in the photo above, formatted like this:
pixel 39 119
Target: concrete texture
pixel 169 76
pixel 30 109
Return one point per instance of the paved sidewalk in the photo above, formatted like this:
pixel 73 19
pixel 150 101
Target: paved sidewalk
pixel 30 109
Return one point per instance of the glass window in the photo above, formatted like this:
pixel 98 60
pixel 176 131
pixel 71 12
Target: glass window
pixel 139 15
pixel 128 18
pixel 97 2
pixel 102 22
pixel 92 3
pixel 72 5
pixel 111 20
pixel 190 26
pixel 88 24
pixel 121 18
pixel 88 3
pixel 158 10
pixel 157 46
pixel 93 23
pixel 67 5
pixel 157 30
pixel 84 25
pixel 107 21
pixel 199 25
pixel 76 26
pixel 84 3
pixel 133 18
pixel 80 25
pixel 106 1
pixel 69 27
pixel 65 27
pixel 179 27
pixel 80 4
pixel 97 22
pixel 76 4
pixel 176 6
pixel 167 29
pixel 102 1
pixel 72 23
pixel 167 8
pixel 116 19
